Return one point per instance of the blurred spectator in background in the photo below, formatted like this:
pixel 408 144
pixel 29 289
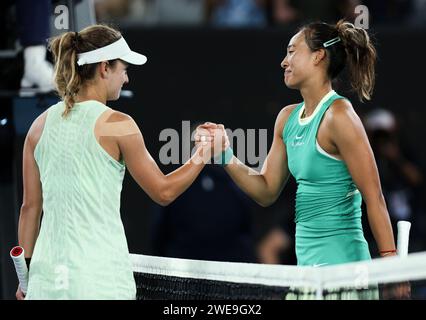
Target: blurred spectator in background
pixel 255 13
pixel 152 12
pixel 388 11
pixel 401 177
pixel 237 13
pixel 274 245
pixel 33 24
pixel 176 12
pixel 418 13
pixel 286 12
pixel 113 9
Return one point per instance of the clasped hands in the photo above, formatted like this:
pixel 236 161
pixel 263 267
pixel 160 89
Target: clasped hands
pixel 212 139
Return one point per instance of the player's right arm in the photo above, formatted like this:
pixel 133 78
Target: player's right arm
pixel 265 186
pixel 161 188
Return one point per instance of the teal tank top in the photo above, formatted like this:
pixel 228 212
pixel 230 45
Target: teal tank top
pixel 328 203
pixel 81 251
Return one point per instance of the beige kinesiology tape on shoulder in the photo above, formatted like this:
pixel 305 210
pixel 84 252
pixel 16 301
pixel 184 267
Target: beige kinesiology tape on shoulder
pixel 117 129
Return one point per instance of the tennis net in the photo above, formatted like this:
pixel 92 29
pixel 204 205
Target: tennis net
pixel 160 278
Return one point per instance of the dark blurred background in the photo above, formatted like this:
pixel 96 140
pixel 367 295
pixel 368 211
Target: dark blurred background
pixel 219 61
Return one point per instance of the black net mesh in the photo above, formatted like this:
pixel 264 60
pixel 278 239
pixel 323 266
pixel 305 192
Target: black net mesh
pixel 178 279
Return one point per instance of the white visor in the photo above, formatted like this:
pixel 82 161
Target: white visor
pixel 116 50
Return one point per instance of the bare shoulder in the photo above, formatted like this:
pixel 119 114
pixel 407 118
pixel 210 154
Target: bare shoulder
pixel 36 129
pixel 342 119
pixel 117 116
pixel 287 110
pixel 341 110
pixel 283 117
pixel 116 124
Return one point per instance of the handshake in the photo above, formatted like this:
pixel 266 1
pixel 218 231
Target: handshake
pixel 212 142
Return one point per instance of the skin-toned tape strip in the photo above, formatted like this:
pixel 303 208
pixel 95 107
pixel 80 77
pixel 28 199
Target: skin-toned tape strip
pixel 118 129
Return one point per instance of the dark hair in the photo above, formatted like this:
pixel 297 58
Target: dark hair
pixel 69 77
pixel 355 50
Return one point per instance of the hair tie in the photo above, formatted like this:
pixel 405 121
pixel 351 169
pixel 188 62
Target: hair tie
pixel 75 40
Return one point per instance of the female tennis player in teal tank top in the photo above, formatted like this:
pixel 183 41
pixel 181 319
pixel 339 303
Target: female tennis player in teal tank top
pixel 74 160
pixel 322 143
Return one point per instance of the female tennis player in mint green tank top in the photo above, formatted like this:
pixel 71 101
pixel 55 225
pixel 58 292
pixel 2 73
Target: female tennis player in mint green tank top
pixel 322 143
pixel 74 160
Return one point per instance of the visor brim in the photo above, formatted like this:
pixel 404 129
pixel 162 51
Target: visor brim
pixel 134 58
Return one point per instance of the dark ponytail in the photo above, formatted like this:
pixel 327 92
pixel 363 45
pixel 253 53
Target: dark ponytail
pixel 354 50
pixel 361 58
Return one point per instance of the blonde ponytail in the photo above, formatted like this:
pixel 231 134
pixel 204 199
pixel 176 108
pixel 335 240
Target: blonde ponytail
pixel 69 77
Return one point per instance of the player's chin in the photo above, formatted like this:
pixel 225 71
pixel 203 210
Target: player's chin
pixel 290 84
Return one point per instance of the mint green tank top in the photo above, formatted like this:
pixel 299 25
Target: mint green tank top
pixel 81 251
pixel 328 203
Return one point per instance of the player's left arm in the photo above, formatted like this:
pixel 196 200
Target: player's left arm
pixel 31 209
pixel 349 136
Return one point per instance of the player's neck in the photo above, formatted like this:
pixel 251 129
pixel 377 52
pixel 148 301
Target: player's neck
pixel 313 94
pixel 91 93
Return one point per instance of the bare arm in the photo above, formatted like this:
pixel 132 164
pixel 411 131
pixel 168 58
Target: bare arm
pixel 350 138
pixel 163 189
pixel 266 186
pixel 29 219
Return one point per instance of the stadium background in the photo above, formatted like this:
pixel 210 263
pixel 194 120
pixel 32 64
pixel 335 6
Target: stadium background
pixel 199 71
